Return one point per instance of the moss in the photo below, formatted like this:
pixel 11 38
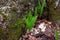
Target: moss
pixel 14 30
pixel 1 33
pixel 55 13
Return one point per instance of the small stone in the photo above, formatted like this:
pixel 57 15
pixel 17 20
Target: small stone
pixel 44 37
pixel 42 26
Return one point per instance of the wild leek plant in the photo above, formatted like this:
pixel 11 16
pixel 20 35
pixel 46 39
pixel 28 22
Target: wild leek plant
pixel 30 20
pixel 41 6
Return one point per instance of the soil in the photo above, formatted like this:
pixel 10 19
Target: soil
pixel 36 33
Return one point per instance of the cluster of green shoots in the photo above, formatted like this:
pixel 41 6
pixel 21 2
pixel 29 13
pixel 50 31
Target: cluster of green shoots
pixel 30 20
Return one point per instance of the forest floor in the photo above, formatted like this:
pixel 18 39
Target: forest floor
pixel 43 30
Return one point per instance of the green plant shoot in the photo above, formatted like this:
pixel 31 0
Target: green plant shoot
pixel 41 6
pixel 30 20
pixel 56 34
